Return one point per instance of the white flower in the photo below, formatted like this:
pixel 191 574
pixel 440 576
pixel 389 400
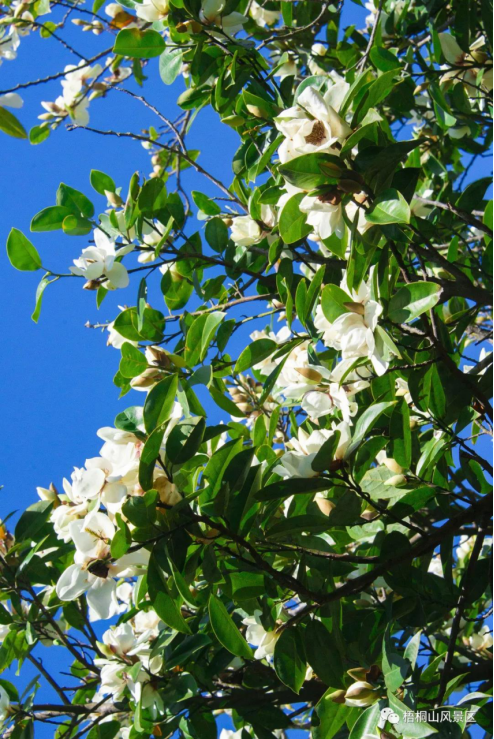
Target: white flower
pixel 313 125
pixel 4 704
pixel 245 231
pixel 298 463
pixel 115 339
pixel 100 261
pixel 318 49
pixel 11 99
pixel 325 214
pixel 266 366
pixel 229 734
pixel 352 333
pixel 9 43
pixel 482 640
pixel 288 69
pixel 263 17
pixel 211 13
pixel 152 10
pixel 264 641
pixel 93 569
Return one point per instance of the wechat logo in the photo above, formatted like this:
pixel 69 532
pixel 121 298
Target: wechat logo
pixel 387 714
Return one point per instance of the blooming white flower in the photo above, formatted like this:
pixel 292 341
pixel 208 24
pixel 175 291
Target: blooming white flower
pixel 455 56
pixel 313 125
pixel 256 634
pixel 482 639
pixel 73 100
pixel 211 13
pixel 352 333
pixel 9 43
pixel 152 10
pixel 100 261
pixel 245 231
pixel 93 571
pixel 4 704
pixel 263 17
pixel 11 99
pixel 298 463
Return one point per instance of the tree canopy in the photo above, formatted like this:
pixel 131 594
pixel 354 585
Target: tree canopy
pixel 288 530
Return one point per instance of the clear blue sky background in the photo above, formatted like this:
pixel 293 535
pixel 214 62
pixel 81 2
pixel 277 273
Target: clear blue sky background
pixel 56 387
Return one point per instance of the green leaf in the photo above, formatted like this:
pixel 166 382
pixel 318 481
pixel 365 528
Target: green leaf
pixel 294 486
pixel 311 170
pixel 170 64
pixel 400 434
pixel 137 44
pixel 293 226
pixel 159 402
pixel 395 667
pixel 412 649
pixel 412 300
pixel 169 612
pixel 328 717
pixel 38 134
pixel 185 439
pixel 129 419
pixel 75 201
pixel 224 402
pixel 32 520
pixel 208 206
pixel 334 301
pixel 216 234
pixel 149 455
pixel 75 226
pixel 10 125
pixel 133 362
pixel 225 630
pixel 289 660
pixel 50 219
pixel 122 539
pixel 366 422
pixel 255 353
pixel 322 654
pixel 366 724
pixel 39 296
pixel 21 253
pixel 375 94
pixel 101 182
pixel 389 207
pixel 325 455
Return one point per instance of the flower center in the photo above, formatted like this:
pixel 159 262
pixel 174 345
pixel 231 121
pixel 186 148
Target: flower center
pixel 317 135
pixel 332 197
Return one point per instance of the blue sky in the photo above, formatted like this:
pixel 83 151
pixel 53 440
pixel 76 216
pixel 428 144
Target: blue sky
pixel 56 388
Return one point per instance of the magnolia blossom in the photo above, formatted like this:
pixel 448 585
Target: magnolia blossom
pixel 263 17
pixel 73 101
pixel 482 640
pixel 11 100
pixel 325 213
pixel 93 571
pixel 455 56
pixel 298 463
pixel 9 43
pixel 100 261
pixel 4 704
pixel 245 231
pixel 152 10
pixel 256 634
pixel 313 125
pixel 211 14
pixel 266 366
pixel 352 332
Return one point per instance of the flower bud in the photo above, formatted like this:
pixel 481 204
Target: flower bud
pixel 91 285
pixel 396 481
pixel 393 465
pixel 355 308
pixel 361 694
pixel 324 505
pixel 309 373
pixel 146 379
pixel 318 50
